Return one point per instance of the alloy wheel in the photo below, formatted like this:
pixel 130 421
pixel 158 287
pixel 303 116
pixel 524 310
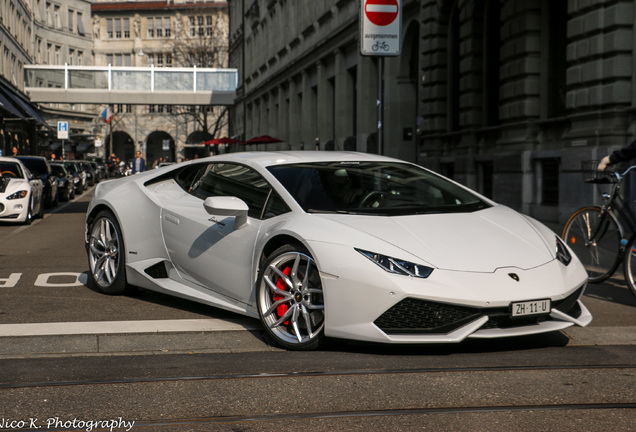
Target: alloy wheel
pixel 104 252
pixel 291 300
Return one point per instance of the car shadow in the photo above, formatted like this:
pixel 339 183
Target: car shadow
pixel 165 300
pixel 613 290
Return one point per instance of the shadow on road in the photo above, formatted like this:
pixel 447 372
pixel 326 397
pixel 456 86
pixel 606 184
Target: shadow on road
pixel 614 290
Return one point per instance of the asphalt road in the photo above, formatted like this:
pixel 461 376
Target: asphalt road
pixel 74 359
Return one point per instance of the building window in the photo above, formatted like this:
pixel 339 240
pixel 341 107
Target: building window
pixel 70 21
pixel 121 27
pixel 56 17
pixel 80 24
pixel 80 58
pixel 71 56
pixel 193 26
pixel 547 175
pixel 159 27
pixel 209 28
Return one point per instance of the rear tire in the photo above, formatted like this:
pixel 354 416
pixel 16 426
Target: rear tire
pixel 600 256
pixel 106 258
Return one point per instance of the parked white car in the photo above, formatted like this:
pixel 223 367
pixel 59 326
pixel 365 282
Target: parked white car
pixel 20 192
pixel 334 244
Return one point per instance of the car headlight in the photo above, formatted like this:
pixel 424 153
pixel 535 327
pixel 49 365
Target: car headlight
pixel 562 253
pixel 18 195
pixel 397 266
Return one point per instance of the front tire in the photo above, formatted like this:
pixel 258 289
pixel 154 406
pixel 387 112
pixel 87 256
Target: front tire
pixel 106 254
pixel 629 265
pixel 290 299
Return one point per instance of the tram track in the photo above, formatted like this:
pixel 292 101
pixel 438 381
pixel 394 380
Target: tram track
pixel 342 373
pixel 263 394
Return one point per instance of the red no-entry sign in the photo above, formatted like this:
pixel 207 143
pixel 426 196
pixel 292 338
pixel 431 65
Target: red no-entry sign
pixel 380 27
pixel 381 12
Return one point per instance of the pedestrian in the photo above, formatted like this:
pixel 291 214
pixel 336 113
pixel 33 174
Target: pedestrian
pixel 52 156
pixel 626 153
pixel 139 164
pixel 15 151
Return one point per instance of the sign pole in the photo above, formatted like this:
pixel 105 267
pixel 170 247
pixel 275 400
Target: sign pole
pixel 380 36
pixel 380 105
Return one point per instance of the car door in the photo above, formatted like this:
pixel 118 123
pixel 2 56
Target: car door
pixel 208 249
pixel 37 190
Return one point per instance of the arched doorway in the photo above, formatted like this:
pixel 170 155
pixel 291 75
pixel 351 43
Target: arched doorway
pixel 122 145
pixel 159 144
pixel 193 148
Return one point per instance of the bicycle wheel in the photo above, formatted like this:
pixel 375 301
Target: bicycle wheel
pixel 595 238
pixel 629 265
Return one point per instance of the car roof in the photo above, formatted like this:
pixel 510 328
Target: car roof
pixel 265 159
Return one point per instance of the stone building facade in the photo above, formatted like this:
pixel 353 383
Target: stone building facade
pixel 506 96
pixel 169 33
pixel 40 32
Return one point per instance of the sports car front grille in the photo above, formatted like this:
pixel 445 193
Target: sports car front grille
pixel 413 316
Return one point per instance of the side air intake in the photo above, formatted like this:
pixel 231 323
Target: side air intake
pixel 157 271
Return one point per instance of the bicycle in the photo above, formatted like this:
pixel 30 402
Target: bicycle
pixel 602 236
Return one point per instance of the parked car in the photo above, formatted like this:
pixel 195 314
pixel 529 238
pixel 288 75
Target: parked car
pixel 90 172
pixel 40 168
pixel 65 181
pixel 99 171
pixel 79 176
pixel 334 244
pixel 20 192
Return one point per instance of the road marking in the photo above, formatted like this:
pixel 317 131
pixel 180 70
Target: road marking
pixel 128 327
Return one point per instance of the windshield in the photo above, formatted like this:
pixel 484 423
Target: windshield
pixel 387 188
pixel 11 170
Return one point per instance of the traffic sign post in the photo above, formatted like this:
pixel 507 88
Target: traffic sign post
pixel 381 27
pixel 380 36
pixel 62 133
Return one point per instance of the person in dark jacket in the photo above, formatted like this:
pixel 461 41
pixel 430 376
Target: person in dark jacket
pixel 626 153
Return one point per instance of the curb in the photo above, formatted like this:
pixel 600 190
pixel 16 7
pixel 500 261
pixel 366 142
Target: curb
pixel 191 336
pixel 131 338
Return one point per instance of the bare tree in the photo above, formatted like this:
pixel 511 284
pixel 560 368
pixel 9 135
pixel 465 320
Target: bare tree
pixel 202 41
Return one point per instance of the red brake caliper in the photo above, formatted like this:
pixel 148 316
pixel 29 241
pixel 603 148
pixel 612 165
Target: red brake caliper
pixel 282 309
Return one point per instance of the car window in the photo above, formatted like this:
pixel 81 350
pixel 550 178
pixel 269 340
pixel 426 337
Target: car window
pixel 229 179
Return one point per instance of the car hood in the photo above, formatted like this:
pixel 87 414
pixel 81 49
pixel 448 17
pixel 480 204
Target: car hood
pixel 482 241
pixel 9 186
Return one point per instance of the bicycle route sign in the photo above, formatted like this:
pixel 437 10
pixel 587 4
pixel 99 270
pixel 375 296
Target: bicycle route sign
pixel 380 27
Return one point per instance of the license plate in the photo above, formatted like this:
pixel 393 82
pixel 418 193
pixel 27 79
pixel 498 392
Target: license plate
pixel 533 307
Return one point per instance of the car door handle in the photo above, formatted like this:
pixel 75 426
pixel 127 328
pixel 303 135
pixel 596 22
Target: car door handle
pixel 171 218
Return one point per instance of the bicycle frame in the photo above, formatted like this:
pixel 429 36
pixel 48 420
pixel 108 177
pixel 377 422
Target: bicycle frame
pixel 614 203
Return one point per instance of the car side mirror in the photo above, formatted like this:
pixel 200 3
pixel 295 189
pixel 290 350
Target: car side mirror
pixel 227 206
